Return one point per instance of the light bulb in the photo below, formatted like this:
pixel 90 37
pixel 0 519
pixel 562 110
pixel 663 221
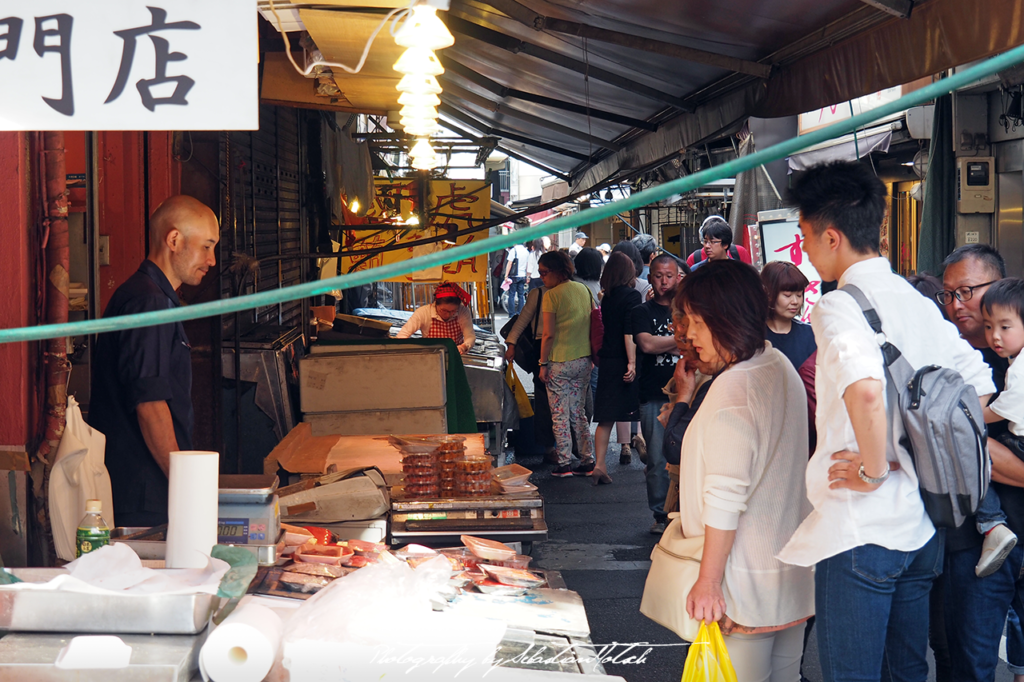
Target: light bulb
pixel 423 28
pixel 424 164
pixel 418 127
pixel 354 206
pixel 411 99
pixel 419 61
pixel 419 85
pixel 421 148
pixel 412 111
pixel 412 220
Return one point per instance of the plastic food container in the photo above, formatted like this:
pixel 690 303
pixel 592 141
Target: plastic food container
pixel 450 443
pixel 421 479
pixel 512 576
pixel 422 490
pixel 491 550
pixel 419 460
pixel 520 562
pixel 451 456
pixel 473 464
pixel 333 555
pixel 513 474
pixel 473 476
pixel 412 444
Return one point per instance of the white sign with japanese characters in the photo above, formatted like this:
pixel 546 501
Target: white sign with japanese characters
pixel 128 65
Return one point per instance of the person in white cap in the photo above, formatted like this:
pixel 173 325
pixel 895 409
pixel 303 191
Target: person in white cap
pixel 606 250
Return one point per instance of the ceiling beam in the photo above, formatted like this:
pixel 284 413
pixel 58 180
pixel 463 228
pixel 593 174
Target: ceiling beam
pixel 505 150
pixel 510 93
pixel 516 46
pixel 897 8
pixel 504 110
pixel 527 16
pixel 473 122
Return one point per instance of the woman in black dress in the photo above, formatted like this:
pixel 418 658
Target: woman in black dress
pixel 618 393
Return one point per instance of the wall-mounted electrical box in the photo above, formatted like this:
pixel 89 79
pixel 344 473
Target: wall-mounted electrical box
pixel 975 184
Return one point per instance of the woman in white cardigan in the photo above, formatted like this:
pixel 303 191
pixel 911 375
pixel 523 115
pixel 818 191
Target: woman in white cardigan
pixel 742 476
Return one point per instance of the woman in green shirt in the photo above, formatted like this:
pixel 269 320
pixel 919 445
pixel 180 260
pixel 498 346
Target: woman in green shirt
pixel 565 360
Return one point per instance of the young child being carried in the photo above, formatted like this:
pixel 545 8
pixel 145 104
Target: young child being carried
pixel 1002 309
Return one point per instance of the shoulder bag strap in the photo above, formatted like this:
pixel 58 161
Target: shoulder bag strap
pixel 890 355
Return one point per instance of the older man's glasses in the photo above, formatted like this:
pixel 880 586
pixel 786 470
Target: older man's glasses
pixel 963 294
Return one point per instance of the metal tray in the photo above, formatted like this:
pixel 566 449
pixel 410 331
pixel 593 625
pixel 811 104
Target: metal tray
pixel 57 611
pixel 156 549
pixel 246 488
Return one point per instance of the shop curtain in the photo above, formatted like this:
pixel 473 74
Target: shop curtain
pixel 938 215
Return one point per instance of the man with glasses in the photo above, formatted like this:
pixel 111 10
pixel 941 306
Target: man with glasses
pixel 976 608
pixel 716 235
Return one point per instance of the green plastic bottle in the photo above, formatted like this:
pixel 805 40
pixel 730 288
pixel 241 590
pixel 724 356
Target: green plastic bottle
pixel 93 531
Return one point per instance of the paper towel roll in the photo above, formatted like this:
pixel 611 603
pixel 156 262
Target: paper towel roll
pixel 192 508
pixel 243 648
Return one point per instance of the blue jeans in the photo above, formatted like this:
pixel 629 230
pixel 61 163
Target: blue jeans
pixel 1014 643
pixel 990 513
pixel 516 290
pixel 976 610
pixel 872 612
pixel 657 474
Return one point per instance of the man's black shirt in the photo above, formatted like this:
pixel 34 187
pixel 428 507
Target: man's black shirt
pixel 137 366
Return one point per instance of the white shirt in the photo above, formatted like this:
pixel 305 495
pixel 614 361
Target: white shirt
pixel 1010 403
pixel 423 316
pixel 519 251
pixel 574 248
pixel 741 468
pixel 892 516
pixel 532 264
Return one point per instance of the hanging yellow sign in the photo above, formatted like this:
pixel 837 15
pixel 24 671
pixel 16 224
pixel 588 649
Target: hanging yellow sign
pixel 454 205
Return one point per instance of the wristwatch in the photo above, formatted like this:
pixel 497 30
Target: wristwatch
pixel 873 481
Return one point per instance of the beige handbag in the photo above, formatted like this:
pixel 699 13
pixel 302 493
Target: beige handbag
pixel 675 567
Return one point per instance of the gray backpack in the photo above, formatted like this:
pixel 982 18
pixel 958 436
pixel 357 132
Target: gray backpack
pixel 945 432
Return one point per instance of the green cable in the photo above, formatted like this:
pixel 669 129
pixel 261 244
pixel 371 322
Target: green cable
pixel 648 196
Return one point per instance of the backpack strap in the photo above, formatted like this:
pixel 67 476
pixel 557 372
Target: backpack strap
pixel 890 353
pixel 734 252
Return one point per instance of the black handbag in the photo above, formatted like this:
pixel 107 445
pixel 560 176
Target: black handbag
pixel 527 348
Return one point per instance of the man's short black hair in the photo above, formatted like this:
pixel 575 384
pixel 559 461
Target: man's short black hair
pixel 669 258
pixel 845 195
pixel 988 256
pixel 717 228
pixel 646 246
pixel 1007 293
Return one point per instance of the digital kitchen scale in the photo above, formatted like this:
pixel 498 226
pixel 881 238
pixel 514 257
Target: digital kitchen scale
pixel 248 512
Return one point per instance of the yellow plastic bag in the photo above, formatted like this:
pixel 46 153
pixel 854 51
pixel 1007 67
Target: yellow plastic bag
pixel 708 659
pixel 522 400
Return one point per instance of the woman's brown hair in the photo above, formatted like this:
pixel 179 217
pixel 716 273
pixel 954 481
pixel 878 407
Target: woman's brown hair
pixel 618 272
pixel 559 263
pixel 779 276
pixel 728 296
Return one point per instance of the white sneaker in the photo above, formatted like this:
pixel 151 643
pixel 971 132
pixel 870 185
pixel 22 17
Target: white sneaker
pixel 998 543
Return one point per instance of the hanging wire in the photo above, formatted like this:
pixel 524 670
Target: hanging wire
pixel 398 14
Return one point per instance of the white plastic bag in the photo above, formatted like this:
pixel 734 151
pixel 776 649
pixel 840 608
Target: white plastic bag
pixel 378 623
pixel 79 474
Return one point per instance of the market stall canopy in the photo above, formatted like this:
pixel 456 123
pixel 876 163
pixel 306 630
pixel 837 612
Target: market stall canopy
pixel 603 88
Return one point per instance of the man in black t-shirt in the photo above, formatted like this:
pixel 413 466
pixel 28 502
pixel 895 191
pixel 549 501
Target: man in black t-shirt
pixel 976 608
pixel 656 350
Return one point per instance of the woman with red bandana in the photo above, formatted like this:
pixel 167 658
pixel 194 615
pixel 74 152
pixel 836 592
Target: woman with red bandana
pixel 448 317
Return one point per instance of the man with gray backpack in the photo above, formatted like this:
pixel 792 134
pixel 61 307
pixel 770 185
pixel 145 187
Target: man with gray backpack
pixel 901 445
